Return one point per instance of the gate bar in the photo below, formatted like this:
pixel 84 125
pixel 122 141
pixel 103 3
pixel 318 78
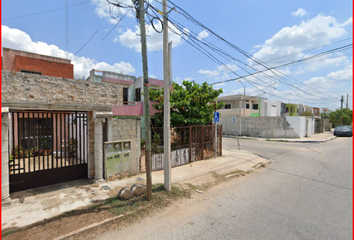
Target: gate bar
pixel 61 141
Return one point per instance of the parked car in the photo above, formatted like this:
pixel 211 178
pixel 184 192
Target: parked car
pixel 343 131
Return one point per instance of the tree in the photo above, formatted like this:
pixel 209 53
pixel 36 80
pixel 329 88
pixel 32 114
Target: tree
pixel 341 117
pixel 306 114
pixel 191 104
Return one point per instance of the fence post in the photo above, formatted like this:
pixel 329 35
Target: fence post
pixel 220 143
pixel 190 143
pixel 202 140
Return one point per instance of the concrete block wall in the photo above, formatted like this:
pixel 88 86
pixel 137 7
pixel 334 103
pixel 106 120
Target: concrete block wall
pixel 260 127
pixel 129 129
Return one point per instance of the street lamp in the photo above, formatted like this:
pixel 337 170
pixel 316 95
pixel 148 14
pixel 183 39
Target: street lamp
pixel 244 105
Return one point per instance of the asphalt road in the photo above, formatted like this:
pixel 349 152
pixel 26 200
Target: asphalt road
pixel 305 194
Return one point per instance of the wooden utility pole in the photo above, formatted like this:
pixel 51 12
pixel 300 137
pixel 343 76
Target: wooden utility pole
pixel 146 101
pixel 166 102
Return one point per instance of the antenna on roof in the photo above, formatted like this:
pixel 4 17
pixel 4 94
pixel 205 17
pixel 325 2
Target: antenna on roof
pixel 66 28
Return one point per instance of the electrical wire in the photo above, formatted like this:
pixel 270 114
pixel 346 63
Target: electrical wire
pixel 116 25
pixel 86 43
pixel 48 11
pixel 189 17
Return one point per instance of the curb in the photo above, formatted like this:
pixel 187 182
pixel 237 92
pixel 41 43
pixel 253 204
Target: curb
pixel 307 141
pixel 282 140
pixel 259 165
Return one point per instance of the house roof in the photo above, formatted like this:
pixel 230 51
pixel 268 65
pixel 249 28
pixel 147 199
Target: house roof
pixel 237 97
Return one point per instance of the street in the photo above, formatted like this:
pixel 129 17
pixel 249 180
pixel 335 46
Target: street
pixel 306 193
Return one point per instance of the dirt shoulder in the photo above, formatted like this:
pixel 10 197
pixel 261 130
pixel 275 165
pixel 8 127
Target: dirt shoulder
pixel 113 213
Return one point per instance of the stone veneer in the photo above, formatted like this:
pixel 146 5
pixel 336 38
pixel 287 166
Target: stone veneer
pixel 35 89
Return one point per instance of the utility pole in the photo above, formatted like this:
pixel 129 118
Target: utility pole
pixel 341 109
pixel 146 101
pixel 166 102
pixel 346 106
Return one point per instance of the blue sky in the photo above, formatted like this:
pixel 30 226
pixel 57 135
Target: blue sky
pixel 274 32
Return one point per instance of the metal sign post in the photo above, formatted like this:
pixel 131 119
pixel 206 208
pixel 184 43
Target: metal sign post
pixel 216 120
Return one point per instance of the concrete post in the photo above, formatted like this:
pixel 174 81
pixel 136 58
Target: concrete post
pixel 109 128
pixel 166 108
pixel 5 181
pixel 99 149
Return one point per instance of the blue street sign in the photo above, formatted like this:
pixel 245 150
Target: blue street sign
pixel 216 117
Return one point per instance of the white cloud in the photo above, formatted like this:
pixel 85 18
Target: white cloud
pixel 131 39
pixel 112 13
pixel 152 75
pixel 17 39
pixel 300 12
pixel 291 41
pixel 222 71
pixel 208 72
pixel 333 80
pixel 178 80
pixel 332 60
pixel 218 85
pixel 203 34
pixel 348 22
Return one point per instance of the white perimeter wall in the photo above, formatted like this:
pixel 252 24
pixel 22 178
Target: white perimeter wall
pixel 310 126
pixel 298 124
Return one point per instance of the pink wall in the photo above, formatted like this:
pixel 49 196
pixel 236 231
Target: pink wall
pixel 132 110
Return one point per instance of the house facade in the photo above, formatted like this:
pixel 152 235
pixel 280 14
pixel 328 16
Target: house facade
pixel 240 105
pixel 56 129
pixel 26 62
pixel 133 98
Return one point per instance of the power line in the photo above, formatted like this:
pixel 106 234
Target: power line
pixel 86 43
pixel 286 64
pixel 189 17
pixel 232 45
pixel 309 49
pixel 48 11
pixel 116 24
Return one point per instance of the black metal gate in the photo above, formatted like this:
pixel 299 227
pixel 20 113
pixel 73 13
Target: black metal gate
pixel 47 147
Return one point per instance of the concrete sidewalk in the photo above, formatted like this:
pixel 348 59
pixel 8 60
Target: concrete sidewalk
pixel 316 138
pixel 43 203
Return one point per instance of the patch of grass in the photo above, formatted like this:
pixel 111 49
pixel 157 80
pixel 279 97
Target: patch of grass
pixel 191 186
pixel 234 172
pixel 8 232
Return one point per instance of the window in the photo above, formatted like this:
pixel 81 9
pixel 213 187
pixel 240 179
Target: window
pixel 125 96
pixel 255 107
pixel 247 105
pixel 227 106
pixel 31 72
pixel 137 94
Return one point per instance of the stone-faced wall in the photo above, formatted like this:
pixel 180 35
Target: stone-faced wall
pixel 129 129
pixel 25 89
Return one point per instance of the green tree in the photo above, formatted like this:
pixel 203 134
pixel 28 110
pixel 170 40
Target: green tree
pixel 341 117
pixel 306 114
pixel 191 104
